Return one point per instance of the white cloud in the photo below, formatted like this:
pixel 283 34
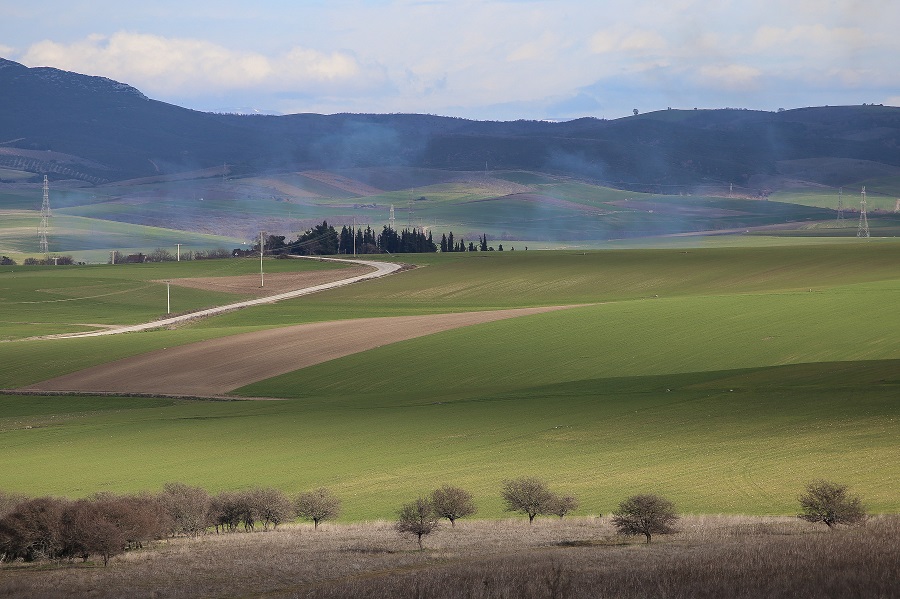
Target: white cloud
pixel 189 66
pixel 624 39
pixel 6 50
pixel 732 77
pixel 545 45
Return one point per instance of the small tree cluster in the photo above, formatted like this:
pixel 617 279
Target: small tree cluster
pixel 231 510
pixel 104 525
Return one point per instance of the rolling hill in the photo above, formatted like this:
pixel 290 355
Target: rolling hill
pixel 97 130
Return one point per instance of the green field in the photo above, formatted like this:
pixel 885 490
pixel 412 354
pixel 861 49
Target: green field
pixel 723 377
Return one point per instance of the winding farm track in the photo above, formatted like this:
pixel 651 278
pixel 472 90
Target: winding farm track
pixel 380 269
pixel 213 368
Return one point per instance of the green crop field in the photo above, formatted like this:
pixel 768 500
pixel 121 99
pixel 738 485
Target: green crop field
pixel 43 300
pixel 723 377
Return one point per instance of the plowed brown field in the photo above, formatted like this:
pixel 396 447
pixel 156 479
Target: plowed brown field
pixel 215 367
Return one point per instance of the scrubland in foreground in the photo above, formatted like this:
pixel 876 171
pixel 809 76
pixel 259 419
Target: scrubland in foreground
pixel 710 556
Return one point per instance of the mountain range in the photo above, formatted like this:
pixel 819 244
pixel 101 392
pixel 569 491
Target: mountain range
pixel 98 130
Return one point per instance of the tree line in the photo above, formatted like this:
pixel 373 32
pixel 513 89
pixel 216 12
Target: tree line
pixel 106 525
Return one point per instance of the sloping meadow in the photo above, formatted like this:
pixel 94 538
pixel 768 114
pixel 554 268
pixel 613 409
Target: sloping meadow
pixel 724 379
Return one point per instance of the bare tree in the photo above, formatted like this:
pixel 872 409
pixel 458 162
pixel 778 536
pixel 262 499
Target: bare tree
pixel 453 503
pixel 188 507
pixel 527 495
pixel 33 530
pixel 225 511
pixel 272 506
pixel 9 501
pixel 318 505
pixel 417 518
pixel 645 515
pixel 830 503
pixel 563 504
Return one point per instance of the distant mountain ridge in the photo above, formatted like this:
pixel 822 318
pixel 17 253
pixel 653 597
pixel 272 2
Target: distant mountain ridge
pixel 98 130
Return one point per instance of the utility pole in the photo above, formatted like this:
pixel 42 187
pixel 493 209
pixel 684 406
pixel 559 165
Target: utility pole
pixel 168 299
pixel 354 237
pixel 391 219
pixel 863 230
pixel 178 252
pixel 262 245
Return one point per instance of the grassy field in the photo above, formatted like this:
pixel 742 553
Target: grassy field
pixel 725 378
pixel 710 557
pixel 44 300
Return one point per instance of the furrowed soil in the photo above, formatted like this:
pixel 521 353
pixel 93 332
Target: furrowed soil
pixel 215 367
pixel 739 557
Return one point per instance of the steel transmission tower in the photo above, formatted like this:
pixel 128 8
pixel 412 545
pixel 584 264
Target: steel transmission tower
pixel 392 218
pixel 840 217
pixel 45 218
pixel 863 230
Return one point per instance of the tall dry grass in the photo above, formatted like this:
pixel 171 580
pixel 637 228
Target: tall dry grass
pixel 711 556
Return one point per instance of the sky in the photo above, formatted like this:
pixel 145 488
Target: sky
pixel 486 60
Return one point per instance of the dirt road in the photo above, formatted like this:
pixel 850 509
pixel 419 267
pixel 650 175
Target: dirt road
pixel 373 269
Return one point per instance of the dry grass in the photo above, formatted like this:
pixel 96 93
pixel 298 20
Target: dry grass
pixel 711 556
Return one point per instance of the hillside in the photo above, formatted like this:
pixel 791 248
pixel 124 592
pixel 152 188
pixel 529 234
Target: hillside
pixel 98 130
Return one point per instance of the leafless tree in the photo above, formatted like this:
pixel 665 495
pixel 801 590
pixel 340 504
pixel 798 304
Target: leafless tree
pixel 318 505
pixel 645 515
pixel 453 503
pixel 417 518
pixel 9 501
pixel 225 511
pixel 272 506
pixel 527 495
pixel 830 503
pixel 33 530
pixel 188 507
pixel 563 504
